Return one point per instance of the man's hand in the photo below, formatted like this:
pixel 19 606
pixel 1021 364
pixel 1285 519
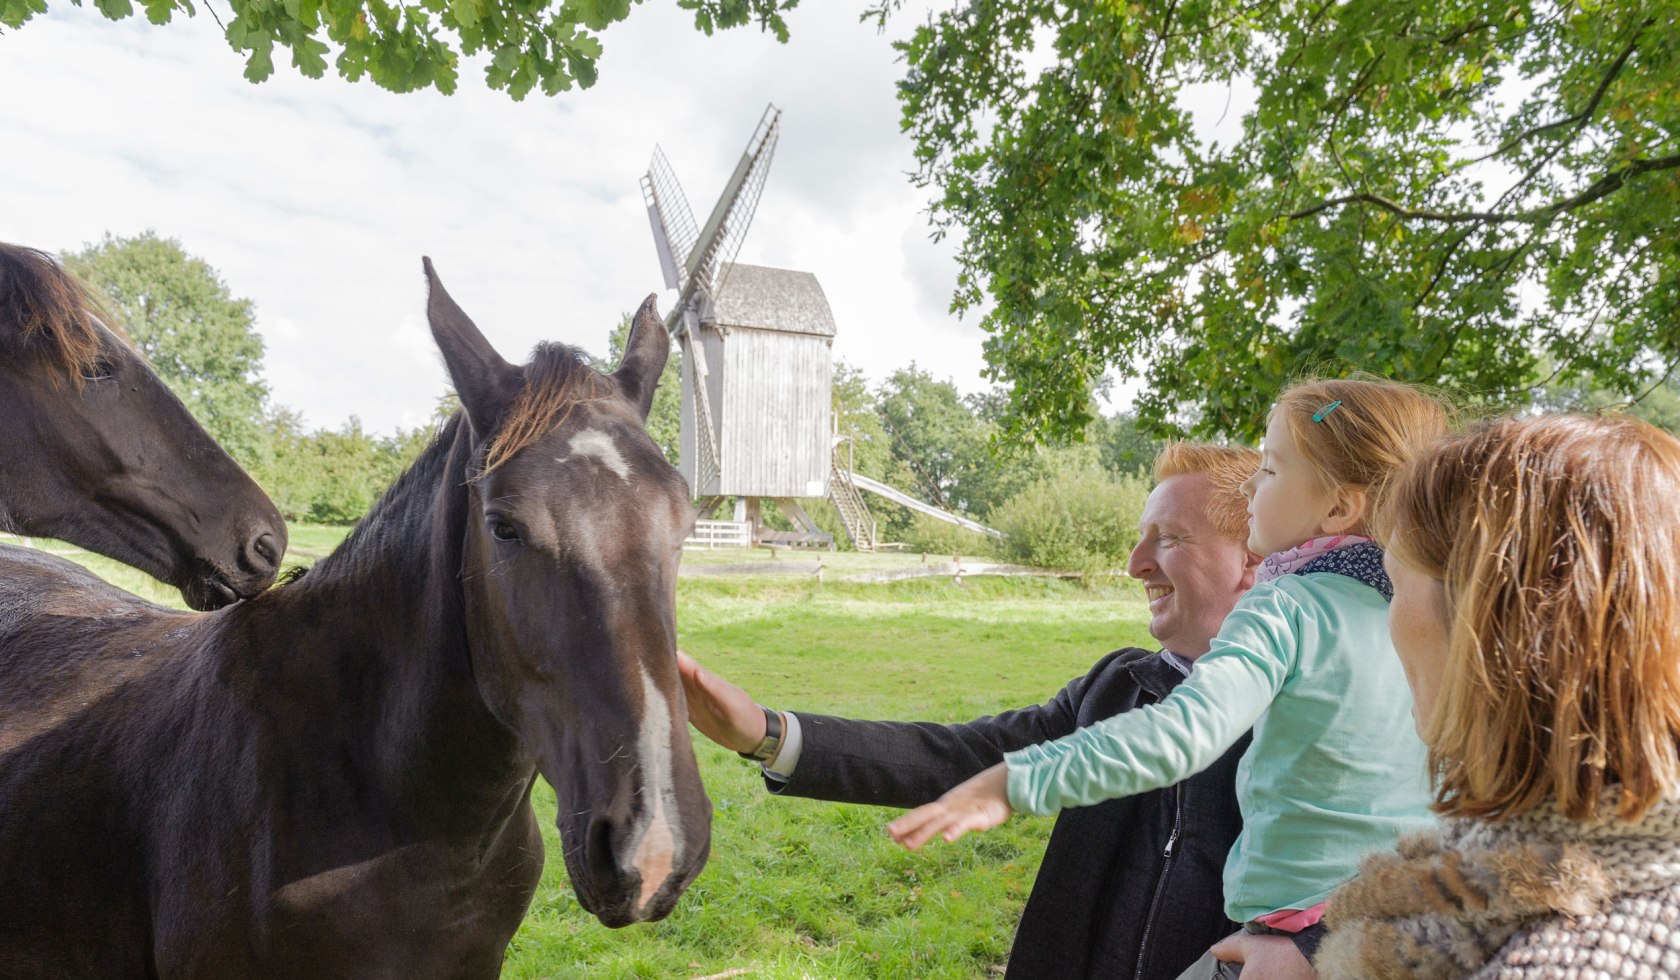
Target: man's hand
pixel 1264 957
pixel 981 803
pixel 721 711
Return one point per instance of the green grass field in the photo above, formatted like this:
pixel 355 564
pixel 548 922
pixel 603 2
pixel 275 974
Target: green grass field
pixel 797 888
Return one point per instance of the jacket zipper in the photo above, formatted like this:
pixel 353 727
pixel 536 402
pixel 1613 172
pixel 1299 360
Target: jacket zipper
pixel 1161 882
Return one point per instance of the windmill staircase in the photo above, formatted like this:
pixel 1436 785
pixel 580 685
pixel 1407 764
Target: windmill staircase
pixel 854 513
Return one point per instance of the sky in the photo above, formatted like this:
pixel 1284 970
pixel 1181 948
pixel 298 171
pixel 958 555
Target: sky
pixel 315 199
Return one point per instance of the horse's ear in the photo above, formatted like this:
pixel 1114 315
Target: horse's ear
pixel 486 383
pixel 645 352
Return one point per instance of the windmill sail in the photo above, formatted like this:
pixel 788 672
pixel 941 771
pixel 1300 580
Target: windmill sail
pixel 727 227
pixel 674 230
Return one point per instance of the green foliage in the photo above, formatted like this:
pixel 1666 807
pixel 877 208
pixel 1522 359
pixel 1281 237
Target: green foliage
pixel 333 477
pixel 406 47
pixel 932 537
pixel 1658 405
pixel 935 436
pixel 1081 520
pixel 865 441
pixel 201 341
pixel 664 421
pixel 1122 445
pixel 1443 192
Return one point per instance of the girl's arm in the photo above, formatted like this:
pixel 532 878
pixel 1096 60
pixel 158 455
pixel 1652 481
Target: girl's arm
pixel 1161 744
pixel 1138 750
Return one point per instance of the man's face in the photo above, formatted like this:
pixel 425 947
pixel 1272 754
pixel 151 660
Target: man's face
pixel 1192 573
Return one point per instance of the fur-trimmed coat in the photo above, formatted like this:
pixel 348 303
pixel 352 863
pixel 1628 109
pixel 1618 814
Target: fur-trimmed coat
pixel 1538 897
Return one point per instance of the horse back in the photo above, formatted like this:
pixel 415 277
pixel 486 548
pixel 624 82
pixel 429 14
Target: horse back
pixel 81 664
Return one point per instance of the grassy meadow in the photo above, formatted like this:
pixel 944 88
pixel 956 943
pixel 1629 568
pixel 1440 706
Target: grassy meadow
pixel 797 888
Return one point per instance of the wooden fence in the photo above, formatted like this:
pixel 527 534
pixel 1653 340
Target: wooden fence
pixel 720 534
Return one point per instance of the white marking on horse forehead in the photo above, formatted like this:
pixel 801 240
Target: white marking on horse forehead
pixel 654 853
pixel 598 445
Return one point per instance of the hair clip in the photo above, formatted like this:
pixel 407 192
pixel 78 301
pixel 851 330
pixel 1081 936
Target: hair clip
pixel 1324 412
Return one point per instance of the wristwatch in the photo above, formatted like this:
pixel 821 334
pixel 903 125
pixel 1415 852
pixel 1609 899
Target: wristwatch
pixel 766 750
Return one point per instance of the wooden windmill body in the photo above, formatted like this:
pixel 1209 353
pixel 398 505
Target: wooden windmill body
pixel 768 352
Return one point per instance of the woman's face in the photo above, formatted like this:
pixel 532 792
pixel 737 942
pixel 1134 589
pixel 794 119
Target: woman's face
pixel 1417 620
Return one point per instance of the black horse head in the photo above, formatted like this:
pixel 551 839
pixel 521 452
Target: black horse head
pixel 573 531
pixel 96 450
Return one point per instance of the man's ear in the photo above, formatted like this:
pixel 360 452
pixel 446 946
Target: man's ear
pixel 1348 512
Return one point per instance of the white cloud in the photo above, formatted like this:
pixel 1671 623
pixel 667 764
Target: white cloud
pixel 316 199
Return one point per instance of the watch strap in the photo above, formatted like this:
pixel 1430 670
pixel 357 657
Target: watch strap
pixel 772 742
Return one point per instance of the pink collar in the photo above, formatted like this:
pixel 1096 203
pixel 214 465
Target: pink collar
pixel 1292 559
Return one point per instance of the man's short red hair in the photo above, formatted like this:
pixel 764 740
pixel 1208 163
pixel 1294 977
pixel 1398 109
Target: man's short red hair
pixel 1226 467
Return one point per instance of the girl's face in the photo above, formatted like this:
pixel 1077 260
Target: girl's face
pixel 1288 503
pixel 1417 620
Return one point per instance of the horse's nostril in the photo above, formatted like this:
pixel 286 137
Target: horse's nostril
pixel 265 547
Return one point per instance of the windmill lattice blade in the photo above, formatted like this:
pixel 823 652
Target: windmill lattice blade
pixel 761 148
pixel 669 207
pixel 732 214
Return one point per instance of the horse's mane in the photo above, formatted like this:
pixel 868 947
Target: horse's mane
pixel 43 309
pixel 390 516
pixel 557 378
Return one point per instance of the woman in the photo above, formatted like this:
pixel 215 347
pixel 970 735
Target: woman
pixel 1536 570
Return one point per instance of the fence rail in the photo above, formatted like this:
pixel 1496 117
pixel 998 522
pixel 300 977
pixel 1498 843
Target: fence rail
pixel 720 534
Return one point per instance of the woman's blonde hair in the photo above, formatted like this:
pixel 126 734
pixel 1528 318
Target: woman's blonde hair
pixel 1557 539
pixel 1358 432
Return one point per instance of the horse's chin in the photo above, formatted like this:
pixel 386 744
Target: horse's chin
pixel 616 900
pixel 208 592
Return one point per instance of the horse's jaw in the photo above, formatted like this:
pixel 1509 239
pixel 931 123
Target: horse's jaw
pixel 634 820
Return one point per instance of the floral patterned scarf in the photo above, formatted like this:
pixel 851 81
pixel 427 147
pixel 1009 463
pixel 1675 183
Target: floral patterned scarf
pixel 1342 554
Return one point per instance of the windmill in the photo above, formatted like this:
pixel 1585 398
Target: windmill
pixel 757 364
pixel 756 351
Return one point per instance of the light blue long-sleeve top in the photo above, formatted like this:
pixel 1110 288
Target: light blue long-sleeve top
pixel 1336 768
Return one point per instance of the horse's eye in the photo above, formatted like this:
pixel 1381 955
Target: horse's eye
pixel 503 531
pixel 100 370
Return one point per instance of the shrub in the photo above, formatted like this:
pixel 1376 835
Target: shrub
pixel 936 537
pixel 1082 520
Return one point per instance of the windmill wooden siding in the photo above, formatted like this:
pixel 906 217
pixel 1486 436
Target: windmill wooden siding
pixel 769 369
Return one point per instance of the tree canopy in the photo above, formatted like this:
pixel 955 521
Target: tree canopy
pixel 410 46
pixel 201 340
pixel 1465 193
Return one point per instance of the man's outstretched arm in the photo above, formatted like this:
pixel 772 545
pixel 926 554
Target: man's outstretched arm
pixel 881 762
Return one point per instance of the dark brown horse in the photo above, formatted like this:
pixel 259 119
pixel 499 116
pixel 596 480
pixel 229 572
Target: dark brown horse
pixel 333 779
pixel 95 450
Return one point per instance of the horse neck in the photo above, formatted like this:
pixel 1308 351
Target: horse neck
pixel 371 643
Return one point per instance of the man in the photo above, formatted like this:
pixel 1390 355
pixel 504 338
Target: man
pixel 1130 887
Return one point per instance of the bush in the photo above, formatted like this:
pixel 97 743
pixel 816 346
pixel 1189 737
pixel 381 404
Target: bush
pixel 1081 520
pixel 936 537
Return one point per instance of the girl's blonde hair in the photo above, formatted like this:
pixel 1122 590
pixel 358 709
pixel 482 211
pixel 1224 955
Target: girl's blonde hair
pixel 1358 432
pixel 1557 539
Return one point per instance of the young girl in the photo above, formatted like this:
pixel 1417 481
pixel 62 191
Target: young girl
pixel 1335 768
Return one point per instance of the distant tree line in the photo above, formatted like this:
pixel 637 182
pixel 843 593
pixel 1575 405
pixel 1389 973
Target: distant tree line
pixel 1074 505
